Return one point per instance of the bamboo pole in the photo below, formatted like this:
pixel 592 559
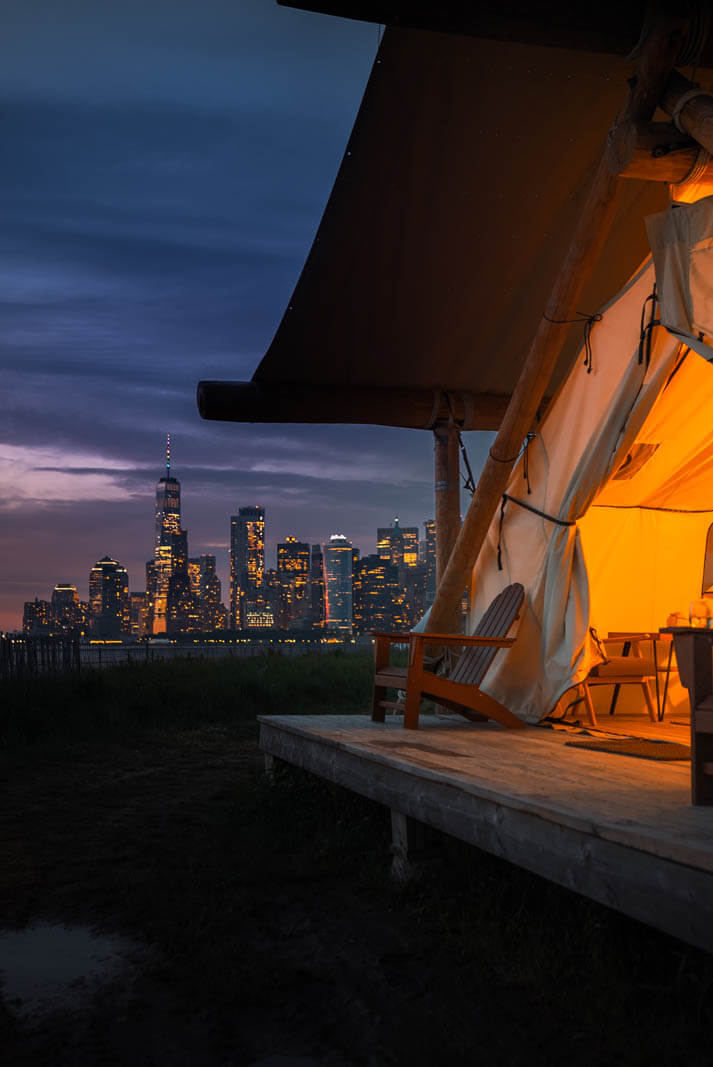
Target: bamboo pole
pixel 655 58
pixel 447 489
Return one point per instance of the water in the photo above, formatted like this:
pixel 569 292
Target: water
pixel 50 967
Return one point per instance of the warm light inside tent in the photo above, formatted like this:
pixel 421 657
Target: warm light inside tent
pixel 610 530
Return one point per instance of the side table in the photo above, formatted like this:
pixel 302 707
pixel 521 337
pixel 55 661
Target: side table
pixel 694 653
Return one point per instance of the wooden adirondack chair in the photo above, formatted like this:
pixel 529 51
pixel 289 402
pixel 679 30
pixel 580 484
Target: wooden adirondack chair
pixel 461 691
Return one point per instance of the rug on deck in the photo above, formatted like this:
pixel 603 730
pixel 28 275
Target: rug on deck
pixel 636 746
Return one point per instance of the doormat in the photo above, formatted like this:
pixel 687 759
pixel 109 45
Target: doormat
pixel 636 746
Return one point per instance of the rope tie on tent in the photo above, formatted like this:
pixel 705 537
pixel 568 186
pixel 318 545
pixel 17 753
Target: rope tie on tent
pixel 647 328
pixel 468 479
pixel 598 642
pixel 527 507
pixel 526 461
pixel 588 321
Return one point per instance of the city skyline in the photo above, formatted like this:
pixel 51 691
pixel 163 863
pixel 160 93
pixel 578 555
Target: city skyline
pixel 168 530
pixel 165 170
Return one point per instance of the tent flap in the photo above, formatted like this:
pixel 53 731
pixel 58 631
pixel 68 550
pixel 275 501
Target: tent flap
pixel 622 476
pixel 681 242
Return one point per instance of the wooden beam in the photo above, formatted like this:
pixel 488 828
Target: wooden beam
pixel 692 107
pixel 419 409
pixel 663 154
pixel 656 57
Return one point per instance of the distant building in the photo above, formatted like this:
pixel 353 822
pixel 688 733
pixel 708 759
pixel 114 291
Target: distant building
pixel 293 567
pixel 398 544
pixel 167 527
pixel 109 604
pixel 212 611
pixel 67 614
pixel 247 562
pixel 258 617
pixel 182 610
pixel 428 560
pixel 137 614
pixel 338 583
pixel 194 575
pixel 36 618
pixel 378 597
pixel 316 588
pixel 412 581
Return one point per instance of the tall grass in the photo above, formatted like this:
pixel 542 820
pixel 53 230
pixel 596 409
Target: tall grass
pixel 131 699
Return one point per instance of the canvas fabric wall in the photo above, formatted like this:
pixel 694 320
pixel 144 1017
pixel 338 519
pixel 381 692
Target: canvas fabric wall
pixel 622 467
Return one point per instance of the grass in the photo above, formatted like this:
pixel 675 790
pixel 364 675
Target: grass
pixel 130 700
pixel 136 802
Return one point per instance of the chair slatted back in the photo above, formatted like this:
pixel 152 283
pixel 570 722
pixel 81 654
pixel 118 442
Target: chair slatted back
pixel 497 620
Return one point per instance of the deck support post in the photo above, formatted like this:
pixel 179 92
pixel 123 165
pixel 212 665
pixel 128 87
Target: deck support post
pixel 655 57
pixel 272 767
pixel 411 844
pixel 447 491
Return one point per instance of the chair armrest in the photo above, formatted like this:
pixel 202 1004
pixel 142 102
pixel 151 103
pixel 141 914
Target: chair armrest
pixel 462 639
pixel 616 638
pixel 402 639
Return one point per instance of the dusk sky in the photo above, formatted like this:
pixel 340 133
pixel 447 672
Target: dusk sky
pixel 165 167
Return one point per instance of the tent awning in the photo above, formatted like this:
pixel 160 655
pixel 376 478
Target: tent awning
pixel 453 208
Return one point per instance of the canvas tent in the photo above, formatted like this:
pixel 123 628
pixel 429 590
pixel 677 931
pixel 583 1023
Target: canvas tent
pixel 457 197
pixel 608 530
pixel 478 207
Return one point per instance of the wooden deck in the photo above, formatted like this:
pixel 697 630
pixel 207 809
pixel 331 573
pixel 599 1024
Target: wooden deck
pixel 618 829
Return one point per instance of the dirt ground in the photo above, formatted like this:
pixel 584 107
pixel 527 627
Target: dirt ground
pixel 268 931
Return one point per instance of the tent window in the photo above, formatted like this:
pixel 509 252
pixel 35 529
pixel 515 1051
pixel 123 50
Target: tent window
pixel 708 564
pixel 635 459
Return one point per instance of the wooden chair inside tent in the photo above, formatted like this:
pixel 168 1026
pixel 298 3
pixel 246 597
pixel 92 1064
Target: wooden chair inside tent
pixel 621 670
pixel 460 692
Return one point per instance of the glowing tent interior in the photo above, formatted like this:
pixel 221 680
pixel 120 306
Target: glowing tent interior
pixel 609 528
pixel 492 188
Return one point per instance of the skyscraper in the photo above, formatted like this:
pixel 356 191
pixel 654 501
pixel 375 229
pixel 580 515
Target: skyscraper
pixel 109 604
pixel 429 559
pixel 137 614
pixel 378 597
pixel 293 566
pixel 398 544
pixel 67 615
pixel 316 588
pixel 36 617
pixel 170 556
pixel 212 610
pixel 182 612
pixel 247 561
pixel 338 583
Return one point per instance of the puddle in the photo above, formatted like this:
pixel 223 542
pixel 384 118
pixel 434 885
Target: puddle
pixel 50 967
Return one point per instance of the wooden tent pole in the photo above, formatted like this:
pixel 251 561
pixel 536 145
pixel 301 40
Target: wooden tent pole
pixel 447 487
pixel 655 58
